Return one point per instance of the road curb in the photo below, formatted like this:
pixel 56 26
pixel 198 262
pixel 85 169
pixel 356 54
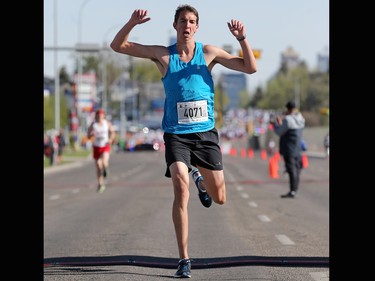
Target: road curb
pixel 67 166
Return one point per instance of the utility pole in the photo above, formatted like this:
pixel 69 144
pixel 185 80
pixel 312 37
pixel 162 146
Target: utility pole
pixel 104 79
pixel 57 74
pixel 123 110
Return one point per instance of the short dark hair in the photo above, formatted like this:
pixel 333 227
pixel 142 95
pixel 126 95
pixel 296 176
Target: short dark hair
pixel 290 105
pixel 188 8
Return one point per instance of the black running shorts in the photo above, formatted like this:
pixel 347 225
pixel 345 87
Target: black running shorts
pixel 196 149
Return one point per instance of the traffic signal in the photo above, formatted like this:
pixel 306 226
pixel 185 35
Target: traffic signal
pixel 324 111
pixel 257 53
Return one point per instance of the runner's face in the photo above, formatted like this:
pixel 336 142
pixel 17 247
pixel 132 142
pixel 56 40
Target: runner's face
pixel 186 25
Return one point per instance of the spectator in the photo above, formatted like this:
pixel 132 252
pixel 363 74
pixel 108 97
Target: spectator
pixel 326 144
pixel 289 128
pixel 60 139
pixel 51 146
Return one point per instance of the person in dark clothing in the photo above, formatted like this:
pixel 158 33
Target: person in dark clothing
pixel 61 145
pixel 289 128
pixel 326 144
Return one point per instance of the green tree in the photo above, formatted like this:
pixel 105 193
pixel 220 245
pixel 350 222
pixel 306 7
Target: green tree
pixel 310 88
pixel 244 99
pixel 220 100
pixel 287 85
pixel 317 92
pixel 145 71
pixel 91 64
pixel 49 112
pixel 64 76
pixel 256 98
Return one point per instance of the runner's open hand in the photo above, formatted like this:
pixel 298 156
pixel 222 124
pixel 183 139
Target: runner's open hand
pixel 237 28
pixel 139 16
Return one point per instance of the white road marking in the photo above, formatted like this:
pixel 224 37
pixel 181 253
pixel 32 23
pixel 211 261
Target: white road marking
pixel 264 218
pixel 132 171
pixel 253 204
pixel 284 239
pixel 244 195
pixel 54 197
pixel 320 276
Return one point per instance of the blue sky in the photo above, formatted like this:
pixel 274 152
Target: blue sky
pixel 271 26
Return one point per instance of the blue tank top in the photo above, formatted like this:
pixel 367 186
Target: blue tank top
pixel 189 94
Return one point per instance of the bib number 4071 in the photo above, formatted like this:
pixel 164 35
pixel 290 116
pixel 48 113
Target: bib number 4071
pixel 191 112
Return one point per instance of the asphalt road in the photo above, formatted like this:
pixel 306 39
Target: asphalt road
pixel 126 233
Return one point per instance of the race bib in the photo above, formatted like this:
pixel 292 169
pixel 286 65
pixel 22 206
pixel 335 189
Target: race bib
pixel 192 111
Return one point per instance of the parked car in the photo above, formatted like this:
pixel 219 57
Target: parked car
pixel 145 139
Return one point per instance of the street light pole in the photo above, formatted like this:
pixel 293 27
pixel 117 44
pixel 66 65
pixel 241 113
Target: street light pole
pixel 79 41
pixel 56 67
pixel 123 110
pixel 104 78
pixel 80 20
pixel 104 68
pixel 79 82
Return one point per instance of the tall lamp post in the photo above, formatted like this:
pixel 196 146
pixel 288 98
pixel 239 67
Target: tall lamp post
pixel 79 82
pixel 80 20
pixel 104 78
pixel 104 67
pixel 56 67
pixel 79 42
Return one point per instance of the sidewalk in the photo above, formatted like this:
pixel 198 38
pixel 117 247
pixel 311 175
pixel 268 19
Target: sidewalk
pixel 74 162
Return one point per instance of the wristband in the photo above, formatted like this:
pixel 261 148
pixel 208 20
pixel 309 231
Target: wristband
pixel 241 38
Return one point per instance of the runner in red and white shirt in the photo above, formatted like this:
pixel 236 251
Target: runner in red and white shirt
pixel 103 133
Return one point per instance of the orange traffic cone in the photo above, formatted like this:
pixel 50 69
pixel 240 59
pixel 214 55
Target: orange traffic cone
pixel 305 161
pixel 243 152
pixel 273 168
pixel 233 151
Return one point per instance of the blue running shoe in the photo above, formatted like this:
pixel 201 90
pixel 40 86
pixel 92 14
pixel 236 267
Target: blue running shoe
pixel 205 199
pixel 184 269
